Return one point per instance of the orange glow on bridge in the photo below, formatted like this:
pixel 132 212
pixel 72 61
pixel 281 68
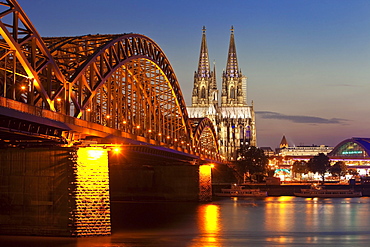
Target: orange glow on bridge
pixel 205 183
pixel 91 212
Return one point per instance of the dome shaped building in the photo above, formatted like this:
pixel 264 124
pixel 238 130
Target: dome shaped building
pixel 355 153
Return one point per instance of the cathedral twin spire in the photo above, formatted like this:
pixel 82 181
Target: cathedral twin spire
pixel 203 67
pixel 232 117
pixel 232 61
pixel 205 88
pixel 233 82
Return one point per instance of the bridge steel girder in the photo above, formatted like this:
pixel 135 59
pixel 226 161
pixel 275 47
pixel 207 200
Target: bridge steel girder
pixel 28 71
pixel 122 81
pixel 97 57
pixel 205 138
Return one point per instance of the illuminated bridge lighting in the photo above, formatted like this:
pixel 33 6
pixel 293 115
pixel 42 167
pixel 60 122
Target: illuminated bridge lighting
pixel 91 209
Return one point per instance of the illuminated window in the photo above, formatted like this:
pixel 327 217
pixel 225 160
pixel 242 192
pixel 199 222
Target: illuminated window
pixel 203 93
pixel 232 92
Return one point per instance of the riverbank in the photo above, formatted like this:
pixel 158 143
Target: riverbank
pixel 289 189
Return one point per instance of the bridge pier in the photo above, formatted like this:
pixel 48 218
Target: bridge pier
pixel 205 183
pixel 54 191
pixel 67 191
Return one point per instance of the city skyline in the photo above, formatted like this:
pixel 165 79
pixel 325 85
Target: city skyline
pixel 306 61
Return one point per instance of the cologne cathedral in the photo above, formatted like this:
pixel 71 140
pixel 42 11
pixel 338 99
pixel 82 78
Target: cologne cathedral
pixel 232 117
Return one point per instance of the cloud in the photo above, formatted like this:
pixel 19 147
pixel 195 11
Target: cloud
pixel 344 85
pixel 300 119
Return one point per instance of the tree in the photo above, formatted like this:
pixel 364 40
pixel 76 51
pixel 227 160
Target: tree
pixel 352 172
pixel 252 160
pixel 338 169
pixel 319 164
pixel 300 167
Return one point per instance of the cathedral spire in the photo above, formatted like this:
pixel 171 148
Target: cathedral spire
pixel 232 61
pixel 205 89
pixel 234 83
pixel 232 117
pixel 214 83
pixel 203 66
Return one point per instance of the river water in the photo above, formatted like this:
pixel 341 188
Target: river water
pixel 270 221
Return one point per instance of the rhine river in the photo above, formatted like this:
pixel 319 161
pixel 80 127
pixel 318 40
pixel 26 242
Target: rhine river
pixel 270 221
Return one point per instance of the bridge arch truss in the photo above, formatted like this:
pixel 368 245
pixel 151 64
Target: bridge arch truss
pixel 122 81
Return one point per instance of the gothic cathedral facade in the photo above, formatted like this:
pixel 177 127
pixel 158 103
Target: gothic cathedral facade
pixel 232 117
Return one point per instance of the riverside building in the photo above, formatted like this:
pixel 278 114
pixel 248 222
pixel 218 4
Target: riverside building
pixel 301 152
pixel 355 153
pixel 286 155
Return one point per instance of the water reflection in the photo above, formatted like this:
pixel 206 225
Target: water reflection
pixel 208 218
pixel 278 213
pixel 272 221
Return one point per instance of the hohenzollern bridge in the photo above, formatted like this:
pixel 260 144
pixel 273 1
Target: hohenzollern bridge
pixel 90 118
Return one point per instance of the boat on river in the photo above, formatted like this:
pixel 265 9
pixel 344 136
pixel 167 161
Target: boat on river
pixel 240 191
pixel 317 191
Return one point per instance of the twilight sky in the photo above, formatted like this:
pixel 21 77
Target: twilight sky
pixel 307 61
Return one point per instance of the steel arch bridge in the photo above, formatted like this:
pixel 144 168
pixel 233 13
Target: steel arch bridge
pixel 124 82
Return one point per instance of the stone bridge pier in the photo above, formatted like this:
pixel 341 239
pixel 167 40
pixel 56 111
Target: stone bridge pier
pixel 67 191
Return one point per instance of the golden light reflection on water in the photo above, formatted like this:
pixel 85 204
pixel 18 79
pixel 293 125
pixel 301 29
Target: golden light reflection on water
pixel 280 208
pixel 314 213
pixel 280 239
pixel 286 216
pixel 211 216
pixel 209 226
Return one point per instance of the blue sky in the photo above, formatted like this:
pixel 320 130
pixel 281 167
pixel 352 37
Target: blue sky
pixel 307 61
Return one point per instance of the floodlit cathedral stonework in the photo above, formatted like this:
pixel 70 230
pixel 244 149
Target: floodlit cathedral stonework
pixel 231 115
